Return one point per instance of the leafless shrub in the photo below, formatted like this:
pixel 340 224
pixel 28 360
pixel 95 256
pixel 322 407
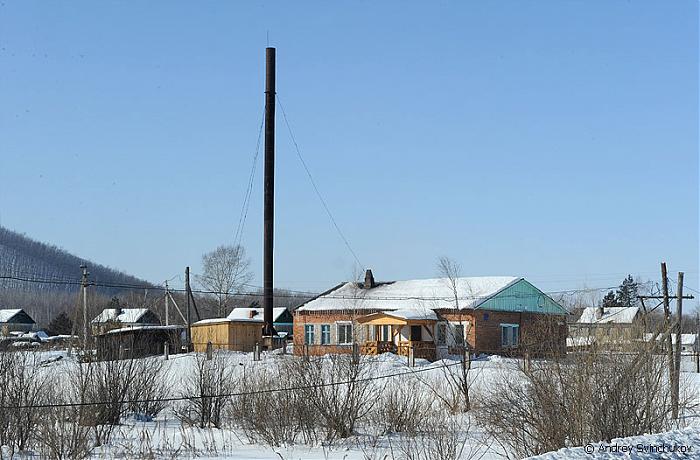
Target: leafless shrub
pixel 149 387
pixel 400 407
pixel 442 436
pixel 59 434
pixel 274 418
pixel 207 389
pixel 102 388
pixel 597 394
pixel 21 385
pixel 339 406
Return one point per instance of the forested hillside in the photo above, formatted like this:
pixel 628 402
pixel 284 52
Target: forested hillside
pixel 25 258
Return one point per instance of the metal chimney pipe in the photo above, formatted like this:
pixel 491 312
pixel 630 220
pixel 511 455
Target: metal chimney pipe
pixel 269 186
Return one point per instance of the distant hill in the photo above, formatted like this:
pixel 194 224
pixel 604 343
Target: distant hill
pixel 23 257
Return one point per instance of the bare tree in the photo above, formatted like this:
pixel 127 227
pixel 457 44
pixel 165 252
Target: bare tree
pixel 451 270
pixel 226 270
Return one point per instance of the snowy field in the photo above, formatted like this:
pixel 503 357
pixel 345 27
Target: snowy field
pixel 167 437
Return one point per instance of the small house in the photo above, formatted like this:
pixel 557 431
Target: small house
pixel 15 320
pixel 432 318
pixel 235 334
pixel 117 318
pixel 139 341
pixel 607 326
pixel 689 342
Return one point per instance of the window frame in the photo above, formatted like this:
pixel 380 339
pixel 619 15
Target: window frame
pixel 325 334
pixel 511 333
pixel 309 332
pixel 348 340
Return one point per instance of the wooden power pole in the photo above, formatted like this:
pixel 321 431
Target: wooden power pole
pixel 667 322
pixel 675 389
pixel 84 285
pixel 189 315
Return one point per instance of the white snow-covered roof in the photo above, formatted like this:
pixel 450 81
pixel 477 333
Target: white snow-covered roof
pixel 413 313
pixel 172 327
pixel 248 313
pixel 616 315
pixel 7 314
pixel 127 315
pixel 424 294
pixel 229 320
pixel 686 339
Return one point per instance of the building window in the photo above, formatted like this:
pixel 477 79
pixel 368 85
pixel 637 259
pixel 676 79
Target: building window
pixel 441 334
pixel 309 330
pixel 459 334
pixel 385 333
pixel 510 335
pixel 416 333
pixel 344 333
pixel 325 334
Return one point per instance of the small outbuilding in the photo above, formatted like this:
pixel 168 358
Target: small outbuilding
pixel 139 341
pixel 282 319
pixel 15 320
pixel 240 334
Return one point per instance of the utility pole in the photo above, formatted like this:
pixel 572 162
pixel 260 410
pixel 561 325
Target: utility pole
pixel 269 191
pixel 675 389
pixel 667 322
pixel 84 284
pixel 189 315
pixel 167 304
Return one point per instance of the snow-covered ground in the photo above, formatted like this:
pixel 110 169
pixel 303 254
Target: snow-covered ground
pixel 166 437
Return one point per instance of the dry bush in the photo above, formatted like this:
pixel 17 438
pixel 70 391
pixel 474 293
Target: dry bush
pixel 339 406
pixel 442 436
pixel 275 418
pixel 21 384
pixel 401 407
pixel 208 390
pixel 59 434
pixel 149 387
pixel 588 396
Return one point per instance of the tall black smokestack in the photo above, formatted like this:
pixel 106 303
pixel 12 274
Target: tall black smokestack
pixel 269 219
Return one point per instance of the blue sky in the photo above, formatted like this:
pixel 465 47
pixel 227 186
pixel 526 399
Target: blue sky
pixel 552 139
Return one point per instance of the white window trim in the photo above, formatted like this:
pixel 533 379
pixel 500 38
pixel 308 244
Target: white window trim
pixel 313 334
pixel 338 324
pixel 513 326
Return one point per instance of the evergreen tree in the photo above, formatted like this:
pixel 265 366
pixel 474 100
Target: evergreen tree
pixel 627 293
pixel 609 300
pixel 60 325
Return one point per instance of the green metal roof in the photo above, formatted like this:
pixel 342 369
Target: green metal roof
pixel 522 297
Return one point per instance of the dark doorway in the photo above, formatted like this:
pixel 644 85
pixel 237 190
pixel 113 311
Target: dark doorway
pixel 416 333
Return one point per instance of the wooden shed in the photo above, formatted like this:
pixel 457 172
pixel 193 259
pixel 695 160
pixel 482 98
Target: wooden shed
pixel 227 334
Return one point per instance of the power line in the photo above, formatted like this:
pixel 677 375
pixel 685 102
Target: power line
pixel 249 190
pixel 313 183
pixel 296 295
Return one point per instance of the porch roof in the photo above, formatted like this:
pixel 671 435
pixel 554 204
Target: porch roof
pixel 399 317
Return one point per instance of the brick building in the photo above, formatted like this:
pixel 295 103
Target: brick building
pixel 433 317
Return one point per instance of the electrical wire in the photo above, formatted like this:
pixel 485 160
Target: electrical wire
pixel 315 187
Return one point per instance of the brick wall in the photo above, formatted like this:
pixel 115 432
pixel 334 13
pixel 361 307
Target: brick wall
pixel 317 318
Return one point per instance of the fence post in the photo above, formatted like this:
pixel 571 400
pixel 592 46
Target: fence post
pixel 166 350
pixel 210 351
pixel 411 357
pixel 526 361
pixel 256 352
pixel 697 362
pixel 306 350
pixel 355 353
pixel 284 346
